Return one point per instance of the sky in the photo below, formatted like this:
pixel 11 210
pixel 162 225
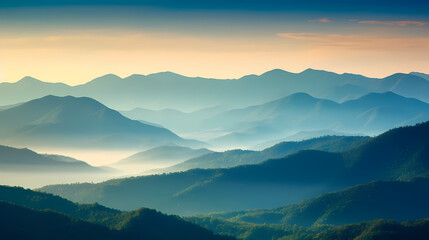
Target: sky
pixel 76 41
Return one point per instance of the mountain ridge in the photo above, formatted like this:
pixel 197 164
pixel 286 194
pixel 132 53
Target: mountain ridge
pixel 275 84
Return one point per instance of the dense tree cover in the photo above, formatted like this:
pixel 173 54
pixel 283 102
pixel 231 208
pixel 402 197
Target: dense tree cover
pixel 41 201
pixel 23 223
pixel 398 200
pixel 147 223
pixel 401 153
pixel 68 220
pixel 251 231
pixel 372 230
pixel 378 229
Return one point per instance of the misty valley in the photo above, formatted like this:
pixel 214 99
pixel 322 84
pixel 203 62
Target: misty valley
pixel 281 155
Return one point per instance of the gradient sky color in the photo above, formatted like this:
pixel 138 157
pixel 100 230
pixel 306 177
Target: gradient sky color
pixel 76 41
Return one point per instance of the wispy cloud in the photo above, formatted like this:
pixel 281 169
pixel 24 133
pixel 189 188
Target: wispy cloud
pixel 397 23
pixel 358 41
pixel 323 20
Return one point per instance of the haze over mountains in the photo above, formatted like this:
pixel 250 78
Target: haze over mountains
pixel 235 113
pixel 25 167
pixel 70 122
pixel 334 175
pixel 159 157
pixel 170 90
pixel 25 160
pixel 401 153
pixel 237 157
pixel 370 114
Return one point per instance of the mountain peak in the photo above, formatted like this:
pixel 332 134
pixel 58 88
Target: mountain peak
pixel 76 103
pixel 311 71
pixel 105 78
pixel 110 75
pixel 384 95
pixel 276 73
pixel 401 76
pixel 419 74
pixel 166 74
pixel 297 98
pixel 28 79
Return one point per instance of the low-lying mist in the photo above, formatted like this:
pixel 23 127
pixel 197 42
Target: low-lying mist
pixel 40 179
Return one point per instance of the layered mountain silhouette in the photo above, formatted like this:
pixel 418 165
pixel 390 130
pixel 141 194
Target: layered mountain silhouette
pixel 233 158
pixel 369 114
pixel 78 122
pixel 29 88
pixel 170 90
pixel 400 153
pixel 408 85
pixel 31 215
pixel 180 122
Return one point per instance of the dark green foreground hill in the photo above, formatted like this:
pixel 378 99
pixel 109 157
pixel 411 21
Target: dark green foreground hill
pixel 41 216
pixel 397 200
pixel 372 230
pixel 25 214
pixel 18 222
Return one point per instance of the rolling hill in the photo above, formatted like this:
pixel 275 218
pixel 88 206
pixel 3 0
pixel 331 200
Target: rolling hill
pixel 400 153
pixel 70 122
pixel 397 200
pixel 45 216
pixel 18 222
pixel 372 230
pixel 27 215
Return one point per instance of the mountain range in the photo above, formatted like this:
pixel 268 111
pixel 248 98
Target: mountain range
pixel 398 154
pixel 238 113
pixel 371 114
pixel 255 126
pixel 170 90
pixel 369 183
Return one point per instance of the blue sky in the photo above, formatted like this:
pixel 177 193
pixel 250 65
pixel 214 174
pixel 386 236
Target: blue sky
pixel 74 41
pixel 380 6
